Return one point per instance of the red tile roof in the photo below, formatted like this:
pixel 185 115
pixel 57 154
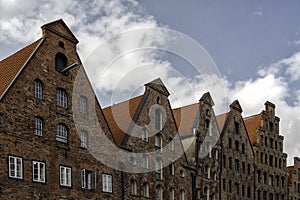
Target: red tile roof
pixel 221 119
pixel 12 65
pixel 252 123
pixel 118 119
pixel 185 118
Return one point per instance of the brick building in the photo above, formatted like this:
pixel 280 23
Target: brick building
pixel 51 138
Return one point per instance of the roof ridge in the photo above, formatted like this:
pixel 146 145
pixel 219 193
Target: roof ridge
pixel 251 116
pixel 123 102
pixel 184 106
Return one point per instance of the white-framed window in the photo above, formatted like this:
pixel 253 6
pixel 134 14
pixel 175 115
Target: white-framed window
pixel 83 105
pixel 133 186
pixel 158 193
pixel 133 160
pixel 158 169
pixel 107 183
pixel 172 169
pixel 38 171
pixel 172 194
pixel 65 176
pixel 38 126
pixel 61 98
pixel 61 133
pixel 83 139
pixel 15 165
pixel 205 193
pixel 145 162
pixel 87 179
pixel 158 120
pixel 145 135
pixel 38 89
pixel 171 144
pixel 182 195
pixel 145 190
pixel 158 143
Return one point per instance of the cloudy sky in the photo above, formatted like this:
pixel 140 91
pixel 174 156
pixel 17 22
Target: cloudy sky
pixel 251 48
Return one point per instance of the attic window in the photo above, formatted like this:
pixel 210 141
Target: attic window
pixel 60 62
pixel 61 44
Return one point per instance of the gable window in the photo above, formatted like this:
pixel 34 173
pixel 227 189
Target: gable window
pixel 83 139
pixel 83 105
pixel 15 167
pixel 158 143
pixel 236 128
pixel 158 120
pixel 133 185
pixel 145 135
pixel 38 89
pixel 158 193
pixel 229 143
pixel 145 162
pixel 237 146
pixel 145 190
pixel 207 132
pixel 171 145
pixel 60 62
pixel 243 148
pixel 61 98
pixel 236 165
pixel 38 126
pixel 87 179
pixel 61 133
pixel 158 169
pixel 107 183
pixel 38 171
pixel 271 127
pixel 65 176
pixel 182 195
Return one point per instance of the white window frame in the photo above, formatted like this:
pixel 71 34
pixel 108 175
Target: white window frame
pixel 107 183
pixel 83 139
pixel 38 126
pixel 158 193
pixel 172 194
pixel 61 133
pixel 65 176
pixel 158 120
pixel 182 195
pixel 172 169
pixel 61 98
pixel 133 187
pixel 38 171
pixel 38 89
pixel 145 190
pixel 15 166
pixel 88 180
pixel 83 105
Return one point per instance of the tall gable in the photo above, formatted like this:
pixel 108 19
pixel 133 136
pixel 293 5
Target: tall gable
pixel 158 85
pixel 252 123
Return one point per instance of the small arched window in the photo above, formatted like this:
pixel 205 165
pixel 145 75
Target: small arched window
pixel 38 89
pixel 133 187
pixel 145 162
pixel 172 194
pixel 38 126
pixel 158 120
pixel 146 190
pixel 61 98
pixel 83 139
pixel 158 143
pixel 145 134
pixel 158 193
pixel 205 193
pixel 83 105
pixel 158 169
pixel 61 133
pixel 182 195
pixel 60 62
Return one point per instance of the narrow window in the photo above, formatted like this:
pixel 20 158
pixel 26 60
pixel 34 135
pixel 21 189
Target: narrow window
pixel 83 139
pixel 243 148
pixel 87 179
pixel 158 193
pixel 83 105
pixel 145 162
pixel 145 190
pixel 182 195
pixel 60 62
pixel 236 165
pixel 158 169
pixel 207 132
pixel 205 193
pixel 236 189
pixel 230 163
pixel 207 172
pixel 270 127
pixel 229 143
pixel 38 171
pixel 158 120
pixel 65 176
pixel 236 128
pixel 38 126
pixel 158 143
pixel 171 144
pixel 172 169
pixel 106 183
pixel 248 192
pixel 61 98
pixel 145 134
pixel 15 167
pixel 237 146
pixel 38 89
pixel 61 133
pixel 133 185
pixel 172 194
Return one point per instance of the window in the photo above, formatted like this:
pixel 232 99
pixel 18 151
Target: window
pixel 271 127
pixel 243 190
pixel 207 132
pixel 61 98
pixel 38 89
pixel 83 139
pixel 158 143
pixel 229 143
pixel 237 145
pixel 265 178
pixel 224 161
pixel 236 188
pixel 145 135
pixel 224 184
pixel 205 193
pixel 106 183
pixel 243 167
pixel 182 195
pixel 171 145
pixel 270 180
pixel 230 163
pixel 182 173
pixel 271 142
pixel 271 160
pixel 38 126
pixel 145 162
pixel 229 186
pixel 158 169
pixel 87 179
pixel 60 62
pixel 248 192
pixel 158 120
pixel 133 160
pixel 172 169
pixel 158 193
pixel 83 105
pixel 236 165
pixel 61 133
pixel 236 127
pixel 243 148
pixel 172 194
pixel 15 167
pixel 207 172
pixel 133 186
pixel 248 168
pixel 145 190
pixel 65 176
pixel 38 171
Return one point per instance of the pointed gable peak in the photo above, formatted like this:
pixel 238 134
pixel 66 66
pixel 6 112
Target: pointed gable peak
pixel 206 98
pixel 60 28
pixel 158 85
pixel 236 106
